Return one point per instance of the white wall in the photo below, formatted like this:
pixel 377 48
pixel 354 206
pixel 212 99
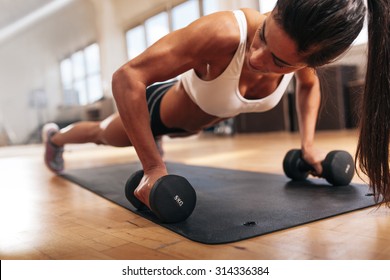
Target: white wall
pixel 30 61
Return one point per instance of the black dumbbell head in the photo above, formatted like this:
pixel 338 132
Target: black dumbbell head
pixel 338 168
pixel 131 184
pixel 292 165
pixel 172 199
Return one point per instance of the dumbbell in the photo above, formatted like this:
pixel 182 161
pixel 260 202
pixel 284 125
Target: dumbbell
pixel 172 198
pixel 337 168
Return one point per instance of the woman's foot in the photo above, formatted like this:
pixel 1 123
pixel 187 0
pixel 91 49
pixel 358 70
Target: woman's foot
pixel 53 153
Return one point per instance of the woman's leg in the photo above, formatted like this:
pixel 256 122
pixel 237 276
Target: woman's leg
pixel 109 132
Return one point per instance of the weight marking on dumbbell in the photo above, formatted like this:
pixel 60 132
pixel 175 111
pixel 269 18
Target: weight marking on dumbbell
pixel 347 169
pixel 178 200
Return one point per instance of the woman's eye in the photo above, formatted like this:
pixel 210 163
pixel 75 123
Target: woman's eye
pixel 261 35
pixel 278 64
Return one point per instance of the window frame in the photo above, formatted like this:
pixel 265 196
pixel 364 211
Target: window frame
pixel 86 97
pixel 169 12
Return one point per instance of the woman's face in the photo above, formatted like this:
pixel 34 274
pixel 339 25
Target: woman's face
pixel 273 51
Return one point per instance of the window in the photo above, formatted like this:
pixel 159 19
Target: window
pixel 80 77
pixel 136 41
pixel 210 6
pixel 184 14
pixel 266 5
pixel 144 35
pixel 70 95
pixel 93 77
pixel 156 27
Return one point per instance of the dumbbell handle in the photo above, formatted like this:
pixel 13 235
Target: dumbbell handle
pixel 344 169
pixel 304 166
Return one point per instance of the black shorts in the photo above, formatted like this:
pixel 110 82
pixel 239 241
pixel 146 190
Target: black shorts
pixel 154 94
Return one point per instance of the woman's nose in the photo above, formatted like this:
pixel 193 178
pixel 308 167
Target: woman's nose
pixel 260 56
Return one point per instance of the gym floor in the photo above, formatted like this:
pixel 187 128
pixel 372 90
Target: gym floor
pixel 46 217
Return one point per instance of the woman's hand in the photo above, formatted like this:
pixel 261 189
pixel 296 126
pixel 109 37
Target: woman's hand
pixel 150 177
pixel 314 157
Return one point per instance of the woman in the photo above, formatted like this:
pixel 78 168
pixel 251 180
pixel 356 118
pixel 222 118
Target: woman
pixel 241 61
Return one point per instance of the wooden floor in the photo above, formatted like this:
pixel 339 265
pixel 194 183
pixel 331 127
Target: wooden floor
pixel 46 217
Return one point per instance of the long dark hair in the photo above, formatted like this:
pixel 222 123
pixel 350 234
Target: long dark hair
pixel 323 30
pixel 373 146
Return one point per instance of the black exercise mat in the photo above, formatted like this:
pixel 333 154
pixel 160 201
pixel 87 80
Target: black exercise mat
pixel 233 205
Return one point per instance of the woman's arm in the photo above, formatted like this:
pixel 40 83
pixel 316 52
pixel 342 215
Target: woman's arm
pixel 308 99
pixel 170 56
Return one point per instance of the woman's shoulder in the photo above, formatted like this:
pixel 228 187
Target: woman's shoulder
pixel 218 24
pixel 227 20
pixel 252 13
pixel 217 31
pixel 253 17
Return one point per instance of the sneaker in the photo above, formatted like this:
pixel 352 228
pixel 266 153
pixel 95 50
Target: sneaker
pixel 53 153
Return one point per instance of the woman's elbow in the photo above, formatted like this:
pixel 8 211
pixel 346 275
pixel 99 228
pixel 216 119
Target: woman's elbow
pixel 125 84
pixel 118 82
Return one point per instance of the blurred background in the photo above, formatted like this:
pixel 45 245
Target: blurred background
pixel 57 58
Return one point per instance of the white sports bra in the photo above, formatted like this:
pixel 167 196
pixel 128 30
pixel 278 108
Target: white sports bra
pixel 221 97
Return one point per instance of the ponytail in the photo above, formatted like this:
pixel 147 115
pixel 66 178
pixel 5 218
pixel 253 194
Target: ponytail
pixel 373 145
